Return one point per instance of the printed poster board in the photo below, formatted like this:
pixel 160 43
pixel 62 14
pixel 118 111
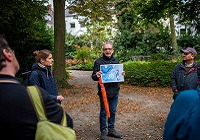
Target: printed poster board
pixel 112 73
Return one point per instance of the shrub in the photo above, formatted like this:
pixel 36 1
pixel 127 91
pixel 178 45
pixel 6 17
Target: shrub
pixel 149 74
pixel 88 66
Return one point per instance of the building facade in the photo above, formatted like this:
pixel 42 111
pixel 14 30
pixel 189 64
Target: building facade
pixel 74 26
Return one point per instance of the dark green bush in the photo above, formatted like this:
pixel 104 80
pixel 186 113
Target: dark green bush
pixel 88 66
pixel 160 56
pixel 149 74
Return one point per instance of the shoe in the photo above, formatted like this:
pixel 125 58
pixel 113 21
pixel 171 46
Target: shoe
pixel 113 133
pixel 103 135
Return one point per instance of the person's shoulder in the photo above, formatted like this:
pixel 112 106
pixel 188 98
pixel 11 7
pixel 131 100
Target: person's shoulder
pixel 35 72
pixel 99 59
pixel 178 65
pixel 190 94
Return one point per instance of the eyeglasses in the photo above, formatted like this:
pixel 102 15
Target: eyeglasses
pixel 105 49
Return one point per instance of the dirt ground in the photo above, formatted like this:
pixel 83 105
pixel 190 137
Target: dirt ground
pixel 141 111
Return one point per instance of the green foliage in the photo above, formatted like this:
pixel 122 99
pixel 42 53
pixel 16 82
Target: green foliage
pixel 153 40
pixel 97 10
pixel 67 74
pixel 160 56
pixel 136 36
pixel 88 66
pixel 83 54
pixel 24 26
pixel 189 41
pixel 73 41
pixel 149 74
pixel 154 10
pixel 98 33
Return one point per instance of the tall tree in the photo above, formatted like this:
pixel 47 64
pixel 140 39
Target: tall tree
pixel 59 42
pixel 96 10
pixel 173 34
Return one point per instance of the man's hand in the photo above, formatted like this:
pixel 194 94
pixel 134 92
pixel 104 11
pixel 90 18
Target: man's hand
pixel 99 74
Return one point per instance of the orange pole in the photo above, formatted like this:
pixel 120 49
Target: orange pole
pixel 104 96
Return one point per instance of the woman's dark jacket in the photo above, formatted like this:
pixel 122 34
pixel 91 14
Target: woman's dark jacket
pixel 181 79
pixel 18 119
pixel 112 89
pixel 47 81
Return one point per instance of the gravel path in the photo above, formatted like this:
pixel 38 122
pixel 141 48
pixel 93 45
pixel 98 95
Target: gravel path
pixel 141 112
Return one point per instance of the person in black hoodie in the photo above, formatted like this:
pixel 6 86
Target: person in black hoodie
pixel 112 91
pixel 18 120
pixel 43 66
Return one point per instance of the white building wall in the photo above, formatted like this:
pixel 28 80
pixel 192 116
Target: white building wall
pixel 69 19
pixel 77 30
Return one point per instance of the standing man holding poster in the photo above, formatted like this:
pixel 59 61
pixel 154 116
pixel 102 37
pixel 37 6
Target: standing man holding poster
pixel 112 91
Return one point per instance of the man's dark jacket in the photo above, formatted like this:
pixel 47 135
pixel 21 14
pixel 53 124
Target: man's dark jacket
pixel 112 89
pixel 18 119
pixel 181 79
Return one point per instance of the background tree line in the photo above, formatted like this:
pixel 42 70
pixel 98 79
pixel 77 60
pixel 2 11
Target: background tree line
pixel 136 27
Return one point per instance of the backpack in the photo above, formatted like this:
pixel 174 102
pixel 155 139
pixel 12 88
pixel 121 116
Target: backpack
pixel 47 130
pixel 25 76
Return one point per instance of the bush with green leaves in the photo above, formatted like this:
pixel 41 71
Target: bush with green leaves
pixel 185 41
pixel 83 54
pixel 149 74
pixel 88 66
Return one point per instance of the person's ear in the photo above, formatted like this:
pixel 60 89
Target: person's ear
pixel 7 54
pixel 42 60
pixel 193 56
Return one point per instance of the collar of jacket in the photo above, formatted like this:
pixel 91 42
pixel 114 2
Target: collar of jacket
pixel 183 64
pixel 6 78
pixel 107 58
pixel 42 66
pixel 47 68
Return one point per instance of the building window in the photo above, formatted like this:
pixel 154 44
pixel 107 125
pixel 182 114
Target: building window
pixel 82 24
pixel 72 25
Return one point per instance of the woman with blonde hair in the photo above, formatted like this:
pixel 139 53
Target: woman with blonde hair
pixel 42 74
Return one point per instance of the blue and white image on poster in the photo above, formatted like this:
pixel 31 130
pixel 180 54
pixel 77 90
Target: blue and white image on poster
pixel 112 73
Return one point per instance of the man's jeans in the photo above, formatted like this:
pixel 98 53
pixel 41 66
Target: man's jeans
pixel 102 118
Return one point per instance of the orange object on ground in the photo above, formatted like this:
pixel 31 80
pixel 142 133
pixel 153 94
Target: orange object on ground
pixel 104 96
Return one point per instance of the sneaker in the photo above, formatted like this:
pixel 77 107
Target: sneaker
pixel 103 135
pixel 113 133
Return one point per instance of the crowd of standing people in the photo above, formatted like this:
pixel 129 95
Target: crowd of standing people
pixel 19 118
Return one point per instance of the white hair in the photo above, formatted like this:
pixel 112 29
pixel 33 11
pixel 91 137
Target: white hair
pixel 110 43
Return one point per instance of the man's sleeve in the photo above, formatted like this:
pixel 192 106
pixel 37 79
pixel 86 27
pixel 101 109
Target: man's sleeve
pixel 95 70
pixel 173 83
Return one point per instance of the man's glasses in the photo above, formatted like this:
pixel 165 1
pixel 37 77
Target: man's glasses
pixel 105 49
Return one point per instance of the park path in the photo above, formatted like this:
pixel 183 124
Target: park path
pixel 141 112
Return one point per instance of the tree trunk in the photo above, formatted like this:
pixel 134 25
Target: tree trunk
pixel 59 42
pixel 173 35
